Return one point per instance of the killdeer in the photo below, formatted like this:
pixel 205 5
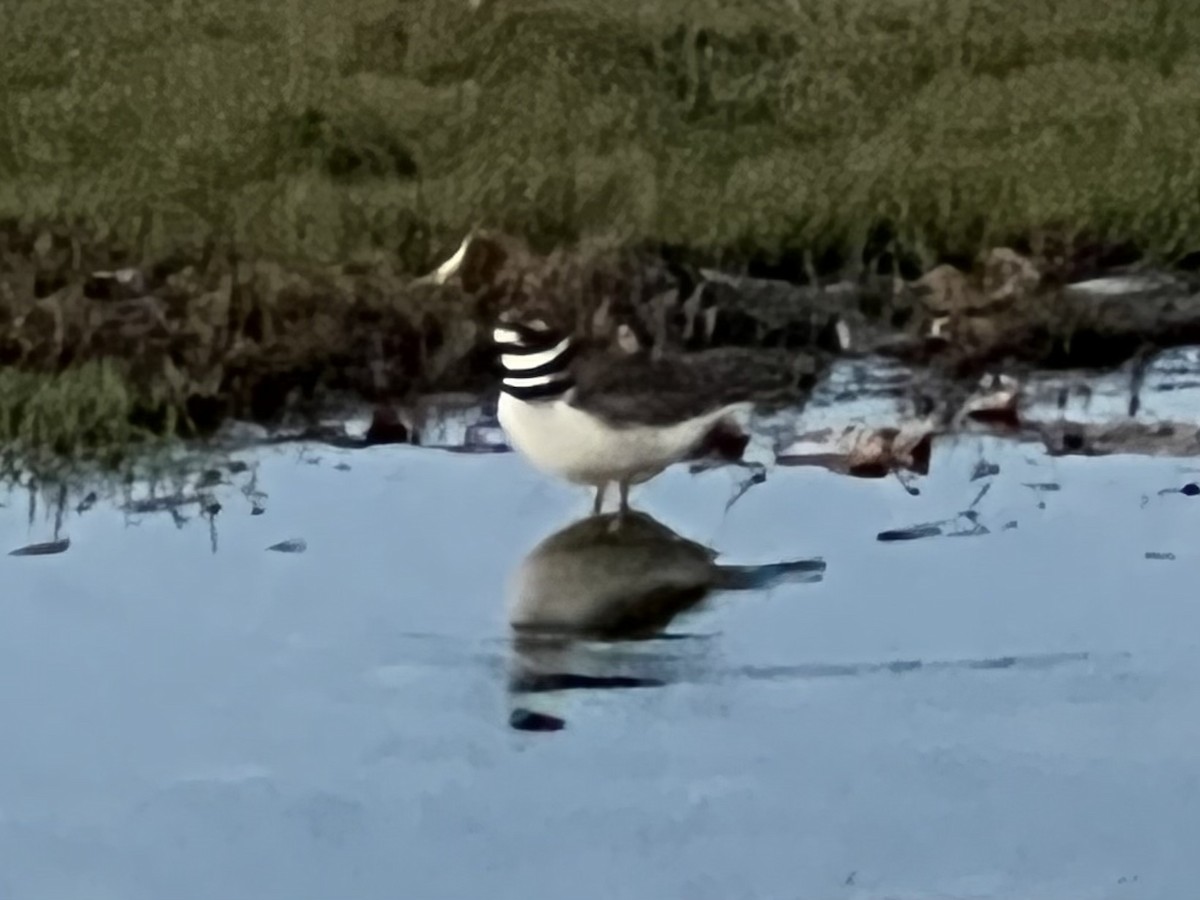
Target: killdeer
pixel 596 416
pixel 588 603
pixel 588 581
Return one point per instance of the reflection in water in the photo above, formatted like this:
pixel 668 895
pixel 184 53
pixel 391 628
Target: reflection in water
pixel 198 486
pixel 45 548
pixel 603 582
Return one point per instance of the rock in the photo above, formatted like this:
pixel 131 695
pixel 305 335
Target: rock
pixel 1077 326
pixel 529 720
pixel 1006 308
pixel 1007 275
pixel 945 291
pixel 1000 277
pixel 1143 283
pixel 1107 327
pixel 294 545
pixel 954 318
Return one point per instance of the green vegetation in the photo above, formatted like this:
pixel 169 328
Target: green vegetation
pixel 86 412
pixel 336 130
pixel 90 427
pixel 374 133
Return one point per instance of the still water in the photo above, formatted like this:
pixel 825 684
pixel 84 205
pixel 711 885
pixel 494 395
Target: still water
pixel 1008 710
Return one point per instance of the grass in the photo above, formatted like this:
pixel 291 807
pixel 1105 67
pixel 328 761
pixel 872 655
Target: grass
pixel 804 134
pixel 735 129
pixel 85 413
pixel 92 426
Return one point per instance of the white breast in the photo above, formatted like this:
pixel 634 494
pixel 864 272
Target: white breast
pixel 569 442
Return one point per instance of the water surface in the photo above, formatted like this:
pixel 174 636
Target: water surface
pixel 1015 713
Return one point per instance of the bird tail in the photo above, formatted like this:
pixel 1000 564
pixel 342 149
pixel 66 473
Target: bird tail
pixel 757 578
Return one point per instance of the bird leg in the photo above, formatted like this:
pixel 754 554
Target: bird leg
pixel 598 504
pixel 624 489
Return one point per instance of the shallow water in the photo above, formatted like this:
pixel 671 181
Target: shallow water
pixel 1012 713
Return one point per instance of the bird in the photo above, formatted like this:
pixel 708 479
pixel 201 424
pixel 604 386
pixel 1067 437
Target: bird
pixel 587 581
pixel 596 415
pixel 589 606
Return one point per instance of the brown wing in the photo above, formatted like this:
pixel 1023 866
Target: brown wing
pixel 638 389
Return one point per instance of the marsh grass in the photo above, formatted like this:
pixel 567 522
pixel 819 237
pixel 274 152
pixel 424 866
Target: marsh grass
pixel 89 429
pixel 808 135
pixel 84 413
pixel 735 129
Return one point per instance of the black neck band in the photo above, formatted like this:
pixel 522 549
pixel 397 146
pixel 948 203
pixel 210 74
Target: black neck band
pixel 549 391
pixel 550 367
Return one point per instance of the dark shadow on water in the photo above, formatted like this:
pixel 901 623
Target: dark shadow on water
pixel 1023 662
pixel 590 606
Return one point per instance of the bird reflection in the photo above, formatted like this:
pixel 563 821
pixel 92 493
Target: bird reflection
pixel 587 602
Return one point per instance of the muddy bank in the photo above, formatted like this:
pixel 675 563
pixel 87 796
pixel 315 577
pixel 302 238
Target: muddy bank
pixel 861 420
pixel 865 419
pixel 206 337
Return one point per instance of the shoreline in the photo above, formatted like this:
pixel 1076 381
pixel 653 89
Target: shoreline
pixel 184 346
pixel 859 423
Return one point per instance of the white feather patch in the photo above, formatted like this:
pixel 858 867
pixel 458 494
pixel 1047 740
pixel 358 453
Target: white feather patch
pixel 447 269
pixel 514 362
pixel 506 336
pixel 531 381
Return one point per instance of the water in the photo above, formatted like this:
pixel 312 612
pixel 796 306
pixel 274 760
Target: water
pixel 1014 714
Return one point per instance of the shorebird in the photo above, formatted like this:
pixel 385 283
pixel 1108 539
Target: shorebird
pixel 597 416
pixel 588 581
pixel 585 596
